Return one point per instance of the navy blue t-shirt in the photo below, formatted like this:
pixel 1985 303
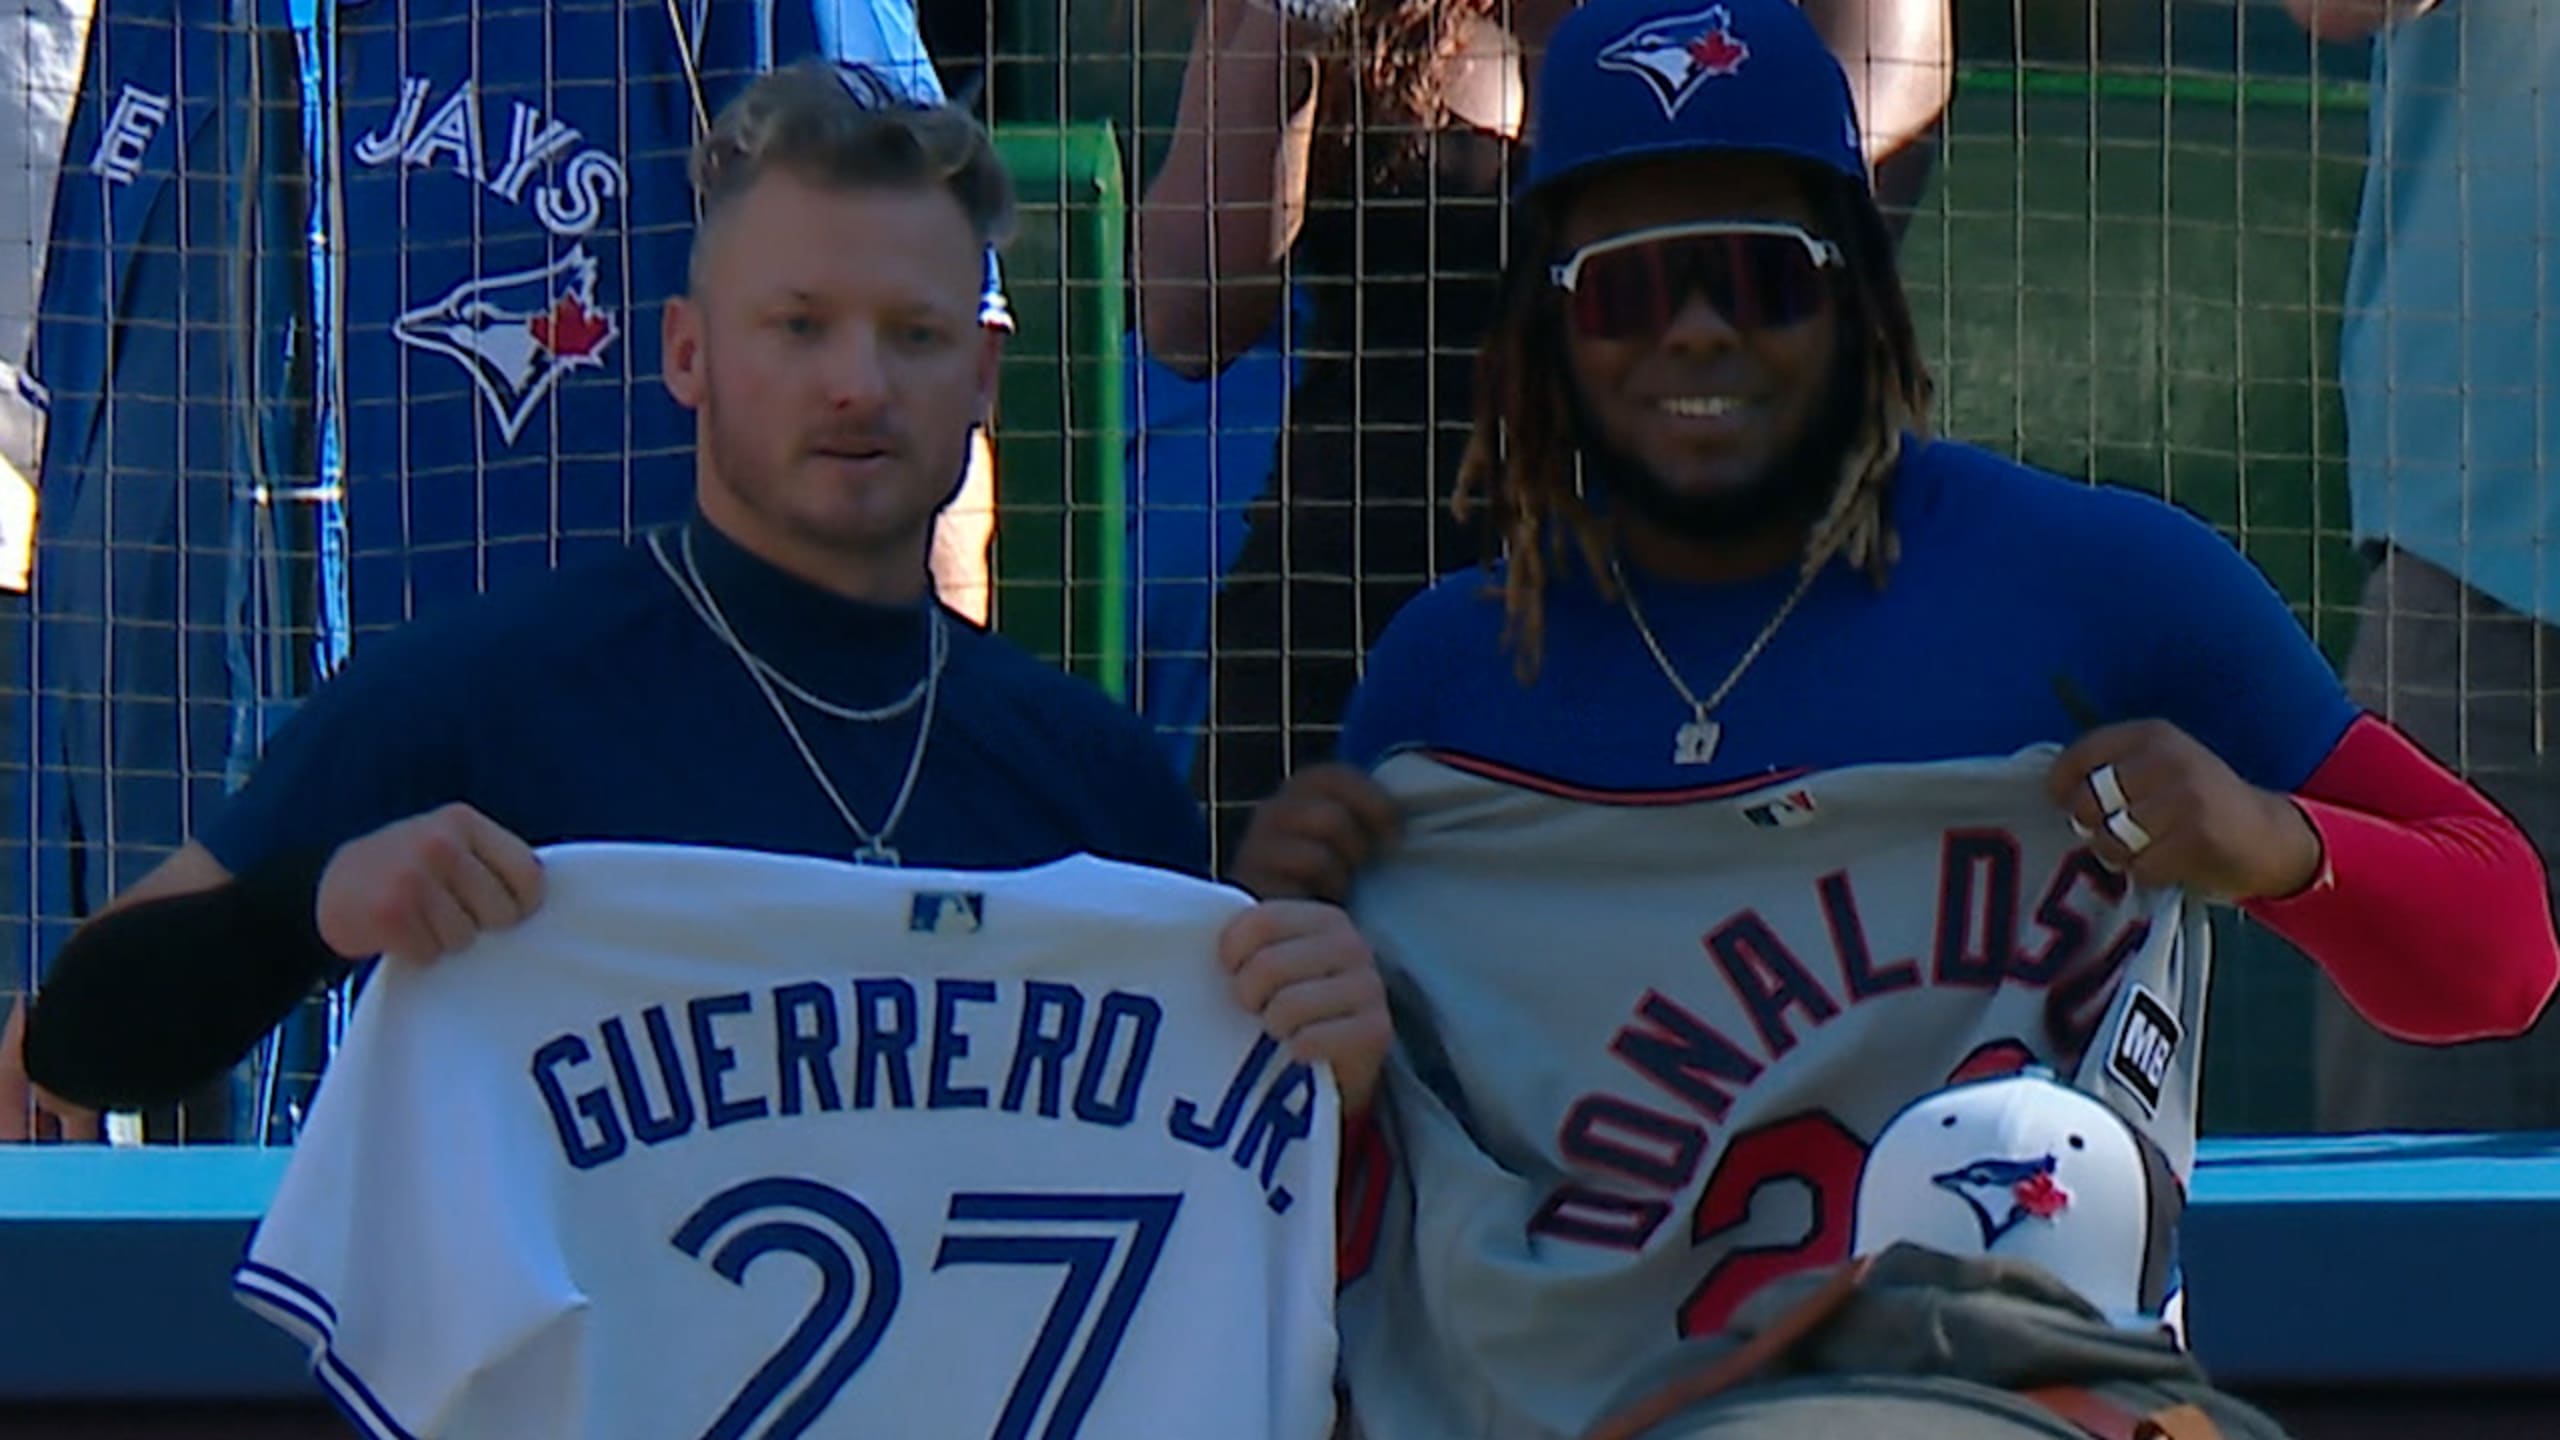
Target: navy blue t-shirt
pixel 2009 578
pixel 593 704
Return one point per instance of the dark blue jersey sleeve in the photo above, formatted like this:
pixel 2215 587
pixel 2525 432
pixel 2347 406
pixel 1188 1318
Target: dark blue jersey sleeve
pixel 1154 818
pixel 380 741
pixel 1396 702
pixel 1067 751
pixel 2219 653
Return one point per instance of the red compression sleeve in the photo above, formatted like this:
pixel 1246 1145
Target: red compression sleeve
pixel 2431 910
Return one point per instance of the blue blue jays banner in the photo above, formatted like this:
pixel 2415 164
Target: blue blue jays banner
pixel 514 207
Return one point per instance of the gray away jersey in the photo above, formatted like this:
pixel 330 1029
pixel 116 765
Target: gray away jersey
pixel 731 1145
pixel 1645 1040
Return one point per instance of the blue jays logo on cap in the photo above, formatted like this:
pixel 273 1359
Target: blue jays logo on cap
pixel 1678 53
pixel 2005 1193
pixel 1628 80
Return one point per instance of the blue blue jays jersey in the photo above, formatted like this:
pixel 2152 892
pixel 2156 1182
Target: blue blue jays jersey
pixel 515 207
pixel 502 203
pixel 162 353
pixel 2016 588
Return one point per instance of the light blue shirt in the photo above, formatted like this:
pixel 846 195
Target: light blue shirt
pixel 1200 454
pixel 2452 332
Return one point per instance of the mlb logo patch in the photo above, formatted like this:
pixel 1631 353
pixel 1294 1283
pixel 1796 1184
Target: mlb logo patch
pixel 947 912
pixel 2144 1049
pixel 1788 811
pixel 1676 55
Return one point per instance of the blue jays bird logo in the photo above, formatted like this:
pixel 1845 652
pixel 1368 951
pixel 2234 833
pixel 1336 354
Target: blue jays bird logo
pixel 2006 1193
pixel 1679 53
pixel 516 335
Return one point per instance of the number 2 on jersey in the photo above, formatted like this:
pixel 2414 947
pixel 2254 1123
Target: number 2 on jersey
pixel 846 1243
pixel 1811 1150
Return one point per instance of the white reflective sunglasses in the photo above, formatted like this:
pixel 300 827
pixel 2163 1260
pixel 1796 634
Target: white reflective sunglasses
pixel 1755 272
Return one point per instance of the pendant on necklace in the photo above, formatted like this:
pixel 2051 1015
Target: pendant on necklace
pixel 874 852
pixel 1696 742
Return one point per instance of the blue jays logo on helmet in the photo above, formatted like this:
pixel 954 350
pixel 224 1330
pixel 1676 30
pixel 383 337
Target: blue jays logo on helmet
pixel 516 335
pixel 2006 1193
pixel 1678 54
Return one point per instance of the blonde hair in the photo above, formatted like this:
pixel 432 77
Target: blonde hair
pixel 845 126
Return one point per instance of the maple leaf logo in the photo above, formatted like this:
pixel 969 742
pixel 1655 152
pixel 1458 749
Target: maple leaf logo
pixel 1717 52
pixel 2040 1197
pixel 571 329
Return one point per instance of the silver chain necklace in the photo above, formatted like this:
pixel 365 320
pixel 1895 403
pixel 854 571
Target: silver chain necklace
pixel 1695 742
pixel 875 848
pixel 706 607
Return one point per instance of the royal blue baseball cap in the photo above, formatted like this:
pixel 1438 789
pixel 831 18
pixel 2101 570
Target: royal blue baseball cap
pixel 1633 79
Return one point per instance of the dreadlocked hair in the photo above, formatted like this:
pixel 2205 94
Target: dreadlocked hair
pixel 1523 460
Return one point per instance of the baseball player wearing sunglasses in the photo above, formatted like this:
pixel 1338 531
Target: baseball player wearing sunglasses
pixel 1794 763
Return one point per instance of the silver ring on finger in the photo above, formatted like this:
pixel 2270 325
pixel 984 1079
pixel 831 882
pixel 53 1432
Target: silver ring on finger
pixel 2110 791
pixel 2128 831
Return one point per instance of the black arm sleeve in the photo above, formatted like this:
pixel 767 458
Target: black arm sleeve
pixel 147 1003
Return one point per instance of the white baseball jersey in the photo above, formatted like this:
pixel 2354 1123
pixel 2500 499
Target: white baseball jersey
pixel 1646 1040
pixel 722 1144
